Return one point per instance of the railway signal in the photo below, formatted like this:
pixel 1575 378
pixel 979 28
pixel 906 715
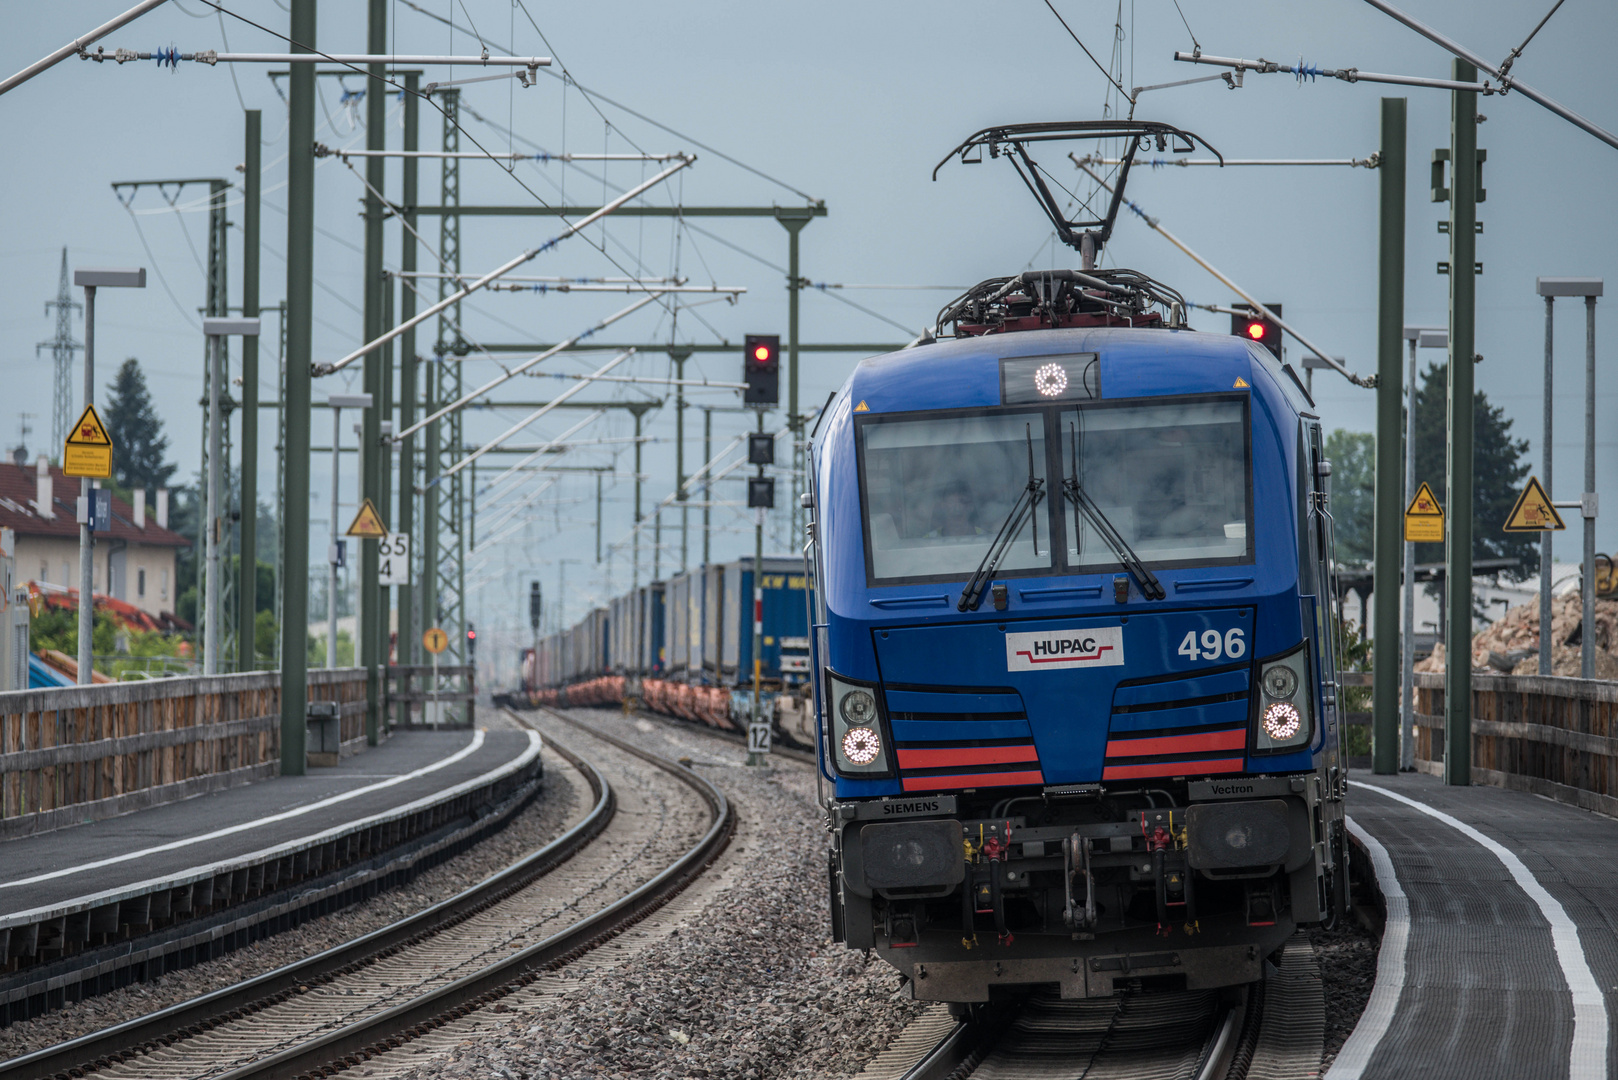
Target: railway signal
pixel 760 448
pixel 761 369
pixel 1254 327
pixel 535 605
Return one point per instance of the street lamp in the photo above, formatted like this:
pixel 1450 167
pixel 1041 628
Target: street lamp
pixel 213 628
pixel 91 280
pixel 337 403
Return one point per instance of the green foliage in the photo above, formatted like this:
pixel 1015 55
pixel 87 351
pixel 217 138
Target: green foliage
pixel 345 649
pixel 265 633
pixel 1353 493
pixel 118 651
pixel 1498 474
pixel 136 431
pixel 1355 656
pixel 54 628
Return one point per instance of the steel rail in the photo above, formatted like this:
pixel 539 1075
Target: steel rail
pixel 193 1017
pixel 358 1042
pixel 962 1049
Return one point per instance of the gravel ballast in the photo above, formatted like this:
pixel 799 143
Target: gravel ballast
pixel 746 984
pixel 563 797
pixel 1347 958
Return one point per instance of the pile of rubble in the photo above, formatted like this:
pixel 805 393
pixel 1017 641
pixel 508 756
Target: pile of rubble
pixel 1511 645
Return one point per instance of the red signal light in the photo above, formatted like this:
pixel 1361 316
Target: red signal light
pixel 1256 330
pixel 761 353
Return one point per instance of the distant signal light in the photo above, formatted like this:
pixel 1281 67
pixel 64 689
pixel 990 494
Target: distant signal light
pixel 1258 329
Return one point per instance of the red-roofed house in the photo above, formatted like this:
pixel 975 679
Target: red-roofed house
pixel 134 560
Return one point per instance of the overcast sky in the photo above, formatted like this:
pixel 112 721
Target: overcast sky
pixel 850 103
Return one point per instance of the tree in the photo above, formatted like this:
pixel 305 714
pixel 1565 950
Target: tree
pixel 139 444
pixel 1497 476
pixel 1353 493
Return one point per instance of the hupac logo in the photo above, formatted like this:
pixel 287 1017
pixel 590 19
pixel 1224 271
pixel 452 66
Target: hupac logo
pixel 1060 649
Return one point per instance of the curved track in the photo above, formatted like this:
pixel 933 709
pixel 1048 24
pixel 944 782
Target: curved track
pixel 654 827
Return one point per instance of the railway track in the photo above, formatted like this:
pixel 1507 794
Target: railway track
pixel 1270 1031
pixel 653 828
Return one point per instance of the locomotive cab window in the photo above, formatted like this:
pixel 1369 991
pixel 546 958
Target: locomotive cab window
pixel 938 489
pixel 1172 479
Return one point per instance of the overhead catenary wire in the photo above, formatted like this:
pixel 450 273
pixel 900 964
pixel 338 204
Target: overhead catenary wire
pixel 1507 83
pixel 514 471
pixel 79 44
pixel 511 373
pixel 1156 226
pixel 363 72
pixel 322 150
pixel 1371 162
pixel 592 96
pixel 1311 72
pixel 172 57
pixel 510 265
pixel 559 400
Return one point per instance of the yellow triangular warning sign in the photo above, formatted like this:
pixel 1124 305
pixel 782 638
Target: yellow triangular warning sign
pixel 1241 384
pixel 1424 518
pixel 1425 504
pixel 1533 511
pixel 862 407
pixel 89 431
pixel 368 523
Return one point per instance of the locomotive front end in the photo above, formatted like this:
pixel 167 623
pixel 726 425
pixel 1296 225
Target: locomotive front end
pixel 1074 668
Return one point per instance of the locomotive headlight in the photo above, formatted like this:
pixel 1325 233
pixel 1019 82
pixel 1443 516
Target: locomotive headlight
pixel 858 741
pixel 1280 682
pixel 861 745
pixel 1285 720
pixel 858 707
pixel 1281 721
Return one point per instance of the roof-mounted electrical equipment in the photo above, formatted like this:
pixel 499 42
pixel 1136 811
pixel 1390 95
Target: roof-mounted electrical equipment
pixel 1087 236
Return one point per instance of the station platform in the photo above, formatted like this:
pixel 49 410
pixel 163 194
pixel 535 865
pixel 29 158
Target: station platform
pixel 1500 953
pixel 168 885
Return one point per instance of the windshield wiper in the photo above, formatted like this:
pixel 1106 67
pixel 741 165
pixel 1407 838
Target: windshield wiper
pixel 1150 587
pixel 1021 511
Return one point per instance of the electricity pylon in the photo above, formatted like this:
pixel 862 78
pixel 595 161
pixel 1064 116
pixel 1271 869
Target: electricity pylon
pixel 62 348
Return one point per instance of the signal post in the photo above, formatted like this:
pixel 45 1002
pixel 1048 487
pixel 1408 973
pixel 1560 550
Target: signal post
pixel 761 371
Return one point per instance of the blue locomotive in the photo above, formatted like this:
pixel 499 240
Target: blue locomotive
pixel 1073 645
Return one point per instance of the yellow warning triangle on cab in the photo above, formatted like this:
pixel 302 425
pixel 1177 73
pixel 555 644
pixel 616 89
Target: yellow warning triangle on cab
pixel 1533 511
pixel 368 523
pixel 862 407
pixel 1241 384
pixel 89 431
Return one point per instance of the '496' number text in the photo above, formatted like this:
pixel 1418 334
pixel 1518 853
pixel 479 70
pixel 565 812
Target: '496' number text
pixel 1232 643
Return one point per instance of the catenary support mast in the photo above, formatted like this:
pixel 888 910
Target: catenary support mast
pixel 1389 403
